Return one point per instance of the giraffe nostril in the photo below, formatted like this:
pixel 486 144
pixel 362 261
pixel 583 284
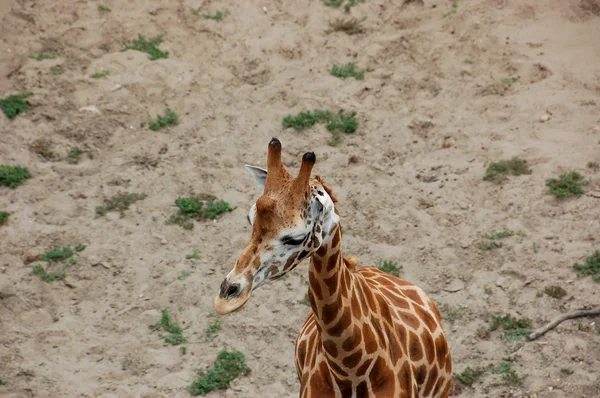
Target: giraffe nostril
pixel 229 291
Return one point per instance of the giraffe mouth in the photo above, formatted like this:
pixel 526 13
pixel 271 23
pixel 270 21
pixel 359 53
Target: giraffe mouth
pixel 226 305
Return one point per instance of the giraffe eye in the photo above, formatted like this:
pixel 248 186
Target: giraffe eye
pixel 292 241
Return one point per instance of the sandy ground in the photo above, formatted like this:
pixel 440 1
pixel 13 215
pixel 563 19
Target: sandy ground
pixel 433 113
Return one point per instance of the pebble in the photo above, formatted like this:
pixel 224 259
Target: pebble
pixel 544 118
pixel 455 286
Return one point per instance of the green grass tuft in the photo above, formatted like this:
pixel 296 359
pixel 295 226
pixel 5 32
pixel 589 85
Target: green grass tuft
pixel 148 46
pixel 453 10
pixel 337 3
pixel 497 235
pixel 42 56
pixel 390 267
pixel 200 207
pixel 12 176
pixel 591 267
pixel 351 26
pixel 214 327
pixel 103 8
pixel 2 382
pixel 14 104
pixel 566 185
pixel 587 102
pixel 39 270
pixel 57 70
pixel 4 215
pixel 228 366
pixel 99 75
pixel 80 247
pixel 217 16
pixel 348 70
pixel 119 202
pixel 509 375
pixel 74 155
pixel 469 375
pixel 335 122
pixel 499 171
pixel 169 119
pixel 56 255
pixel 556 292
pixel 195 255
pixel 514 329
pixel 175 336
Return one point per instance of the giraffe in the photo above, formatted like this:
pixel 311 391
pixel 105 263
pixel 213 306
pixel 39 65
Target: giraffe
pixel 369 334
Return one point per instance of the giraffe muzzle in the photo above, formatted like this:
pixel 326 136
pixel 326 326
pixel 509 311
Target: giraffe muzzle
pixel 231 297
pixel 229 290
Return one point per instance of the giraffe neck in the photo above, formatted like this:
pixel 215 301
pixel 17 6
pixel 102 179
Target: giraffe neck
pixel 333 292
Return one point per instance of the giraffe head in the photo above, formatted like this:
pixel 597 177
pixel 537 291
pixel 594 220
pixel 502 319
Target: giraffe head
pixel 290 221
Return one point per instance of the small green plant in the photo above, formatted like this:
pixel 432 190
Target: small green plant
pixel 509 81
pixel 452 314
pixel 56 255
pixel 214 327
pixel 80 247
pixel 469 375
pixel 498 172
pixel 337 3
pixel 74 155
pixel 183 350
pixel 56 70
pixel 453 10
pixel 228 366
pixel 487 246
pixel 195 255
pixel 351 26
pixel 42 56
pixel 509 375
pixel 567 371
pixel 148 46
pixel 200 207
pixel 566 185
pixel 4 215
pixel 217 16
pixel 390 267
pixel 348 70
pixel 169 119
pixel 184 275
pixel 175 336
pixel 2 382
pixel 593 165
pixel 556 292
pixel 38 269
pixel 14 104
pixel 501 234
pixel 587 102
pixel 12 176
pixel 119 202
pixel 591 267
pixel 335 122
pixel 99 75
pixel 514 329
pixel 103 8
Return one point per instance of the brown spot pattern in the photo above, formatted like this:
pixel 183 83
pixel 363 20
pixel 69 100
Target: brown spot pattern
pixel 414 347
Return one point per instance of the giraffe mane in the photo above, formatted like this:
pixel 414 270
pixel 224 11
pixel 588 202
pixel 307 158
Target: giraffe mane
pixel 327 189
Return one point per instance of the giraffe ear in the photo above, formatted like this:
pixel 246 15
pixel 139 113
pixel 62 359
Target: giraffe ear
pixel 259 175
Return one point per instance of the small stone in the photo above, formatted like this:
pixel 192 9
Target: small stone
pixel 69 282
pixel 544 118
pixel 90 108
pixel 455 286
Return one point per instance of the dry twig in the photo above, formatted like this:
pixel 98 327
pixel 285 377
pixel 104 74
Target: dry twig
pixel 559 319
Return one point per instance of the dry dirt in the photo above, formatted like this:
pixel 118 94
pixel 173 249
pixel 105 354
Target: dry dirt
pixel 433 112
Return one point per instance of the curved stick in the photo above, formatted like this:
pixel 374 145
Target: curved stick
pixel 559 319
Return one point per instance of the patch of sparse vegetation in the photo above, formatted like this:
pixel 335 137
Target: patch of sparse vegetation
pixel 43 148
pixel 567 371
pixel 4 215
pixel 80 247
pixel 337 3
pixel 103 8
pixel 148 46
pixel 228 366
pixel 74 155
pixel 184 274
pixel 508 81
pixel 591 267
pixel 335 122
pixel 119 202
pixel 42 56
pixel 56 70
pixel 175 336
pixel 12 176
pixel 99 75
pixel 587 102
pixel 498 172
pixel 350 26
pixel 200 207
pixel 509 375
pixel 390 267
pixel 14 104
pixel 2 382
pixel 348 70
pixel 38 269
pixel 453 10
pixel 195 255
pixel 56 255
pixel 469 375
pixel 487 246
pixel 593 165
pixel 556 292
pixel 217 16
pixel 501 234
pixel 514 329
pixel 214 327
pixel 451 314
pixel 183 349
pixel 566 185
pixel 169 119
